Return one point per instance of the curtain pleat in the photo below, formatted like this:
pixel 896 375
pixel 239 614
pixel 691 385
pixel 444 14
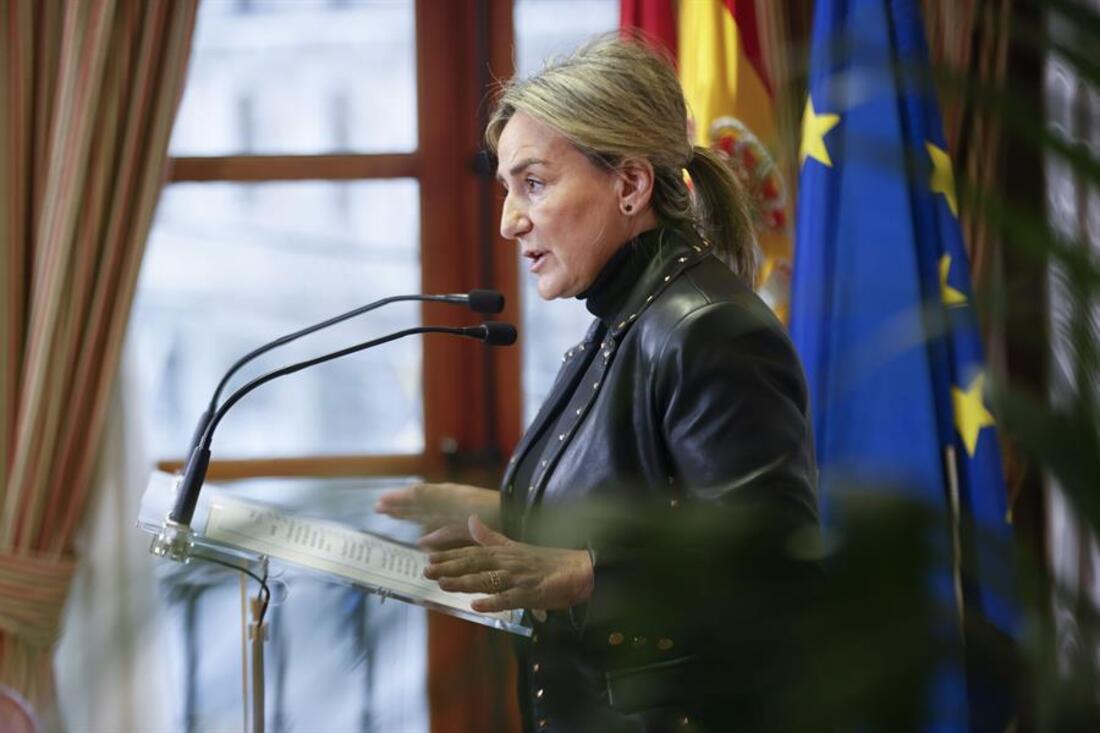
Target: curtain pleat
pixel 90 89
pixel 970 39
pixel 784 29
pixel 16 81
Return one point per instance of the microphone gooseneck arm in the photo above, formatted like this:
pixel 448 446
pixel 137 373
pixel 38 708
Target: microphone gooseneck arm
pixel 207 414
pixel 480 301
pixel 195 471
pixel 236 396
pixel 458 298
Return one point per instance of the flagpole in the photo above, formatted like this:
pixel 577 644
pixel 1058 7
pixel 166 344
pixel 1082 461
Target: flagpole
pixel 956 534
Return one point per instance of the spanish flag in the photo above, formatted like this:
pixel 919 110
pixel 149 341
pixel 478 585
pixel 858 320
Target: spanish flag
pixel 730 99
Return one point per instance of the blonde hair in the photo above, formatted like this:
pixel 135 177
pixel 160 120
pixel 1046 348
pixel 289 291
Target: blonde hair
pixel 615 98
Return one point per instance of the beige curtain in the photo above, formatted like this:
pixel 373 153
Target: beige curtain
pixel 89 90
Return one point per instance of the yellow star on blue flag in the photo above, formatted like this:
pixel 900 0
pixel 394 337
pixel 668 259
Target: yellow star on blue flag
pixel 814 128
pixel 943 177
pixel 971 414
pixel 951 296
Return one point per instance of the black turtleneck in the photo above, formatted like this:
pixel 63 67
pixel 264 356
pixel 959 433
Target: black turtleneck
pixel 606 295
pixel 603 298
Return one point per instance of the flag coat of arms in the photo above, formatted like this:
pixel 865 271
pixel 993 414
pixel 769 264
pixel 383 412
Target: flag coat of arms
pixel 721 59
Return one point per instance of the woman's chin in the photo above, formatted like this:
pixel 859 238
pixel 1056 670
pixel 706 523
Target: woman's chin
pixel 549 290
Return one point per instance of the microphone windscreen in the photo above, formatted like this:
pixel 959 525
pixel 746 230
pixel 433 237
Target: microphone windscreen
pixel 498 333
pixel 486 301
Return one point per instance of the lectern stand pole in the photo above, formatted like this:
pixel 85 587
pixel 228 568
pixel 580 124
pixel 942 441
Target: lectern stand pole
pixel 257 635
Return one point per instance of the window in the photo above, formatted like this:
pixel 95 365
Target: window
pixel 232 264
pixel 324 158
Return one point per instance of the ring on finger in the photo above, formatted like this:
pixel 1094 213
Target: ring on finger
pixel 496 584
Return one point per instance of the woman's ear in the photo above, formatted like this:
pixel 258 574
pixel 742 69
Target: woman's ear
pixel 635 185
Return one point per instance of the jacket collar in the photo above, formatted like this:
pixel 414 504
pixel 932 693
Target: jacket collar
pixel 658 257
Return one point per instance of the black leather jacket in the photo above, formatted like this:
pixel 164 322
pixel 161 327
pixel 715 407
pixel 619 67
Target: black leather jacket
pixel 691 415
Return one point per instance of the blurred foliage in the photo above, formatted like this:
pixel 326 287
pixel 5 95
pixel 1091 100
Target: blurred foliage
pixel 877 596
pixel 1057 429
pixel 1056 424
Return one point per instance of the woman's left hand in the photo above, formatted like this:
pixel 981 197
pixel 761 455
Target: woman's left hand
pixel 515 575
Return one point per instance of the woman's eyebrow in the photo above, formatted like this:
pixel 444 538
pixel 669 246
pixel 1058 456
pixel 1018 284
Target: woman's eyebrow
pixel 520 166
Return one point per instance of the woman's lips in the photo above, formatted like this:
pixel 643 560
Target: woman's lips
pixel 537 260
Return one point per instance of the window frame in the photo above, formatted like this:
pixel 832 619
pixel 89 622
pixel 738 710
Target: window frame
pixel 472 400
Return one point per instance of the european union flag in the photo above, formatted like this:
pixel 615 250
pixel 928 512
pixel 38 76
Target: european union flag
pixel 882 310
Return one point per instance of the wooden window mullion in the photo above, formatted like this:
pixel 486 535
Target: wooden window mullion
pixel 295 167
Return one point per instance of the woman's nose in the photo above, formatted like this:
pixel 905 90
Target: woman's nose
pixel 513 221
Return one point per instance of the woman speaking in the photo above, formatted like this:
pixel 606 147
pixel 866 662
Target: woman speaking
pixel 679 418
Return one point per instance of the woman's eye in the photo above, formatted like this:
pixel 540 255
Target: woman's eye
pixel 533 185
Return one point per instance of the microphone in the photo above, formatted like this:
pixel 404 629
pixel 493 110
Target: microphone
pixel 488 302
pixel 493 333
pixel 479 301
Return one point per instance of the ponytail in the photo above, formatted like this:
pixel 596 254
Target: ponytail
pixel 723 214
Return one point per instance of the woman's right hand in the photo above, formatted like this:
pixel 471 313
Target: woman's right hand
pixel 443 510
